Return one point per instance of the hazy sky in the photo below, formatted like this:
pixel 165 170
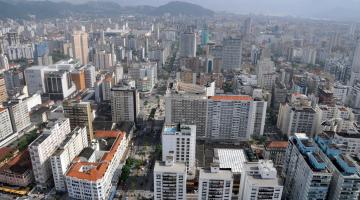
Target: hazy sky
pixel 341 9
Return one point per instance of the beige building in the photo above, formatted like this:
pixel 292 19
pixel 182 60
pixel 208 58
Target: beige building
pixel 80 114
pixel 3 92
pixel 80 46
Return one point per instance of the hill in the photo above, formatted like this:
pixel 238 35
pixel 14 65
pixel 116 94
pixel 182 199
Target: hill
pixel 49 9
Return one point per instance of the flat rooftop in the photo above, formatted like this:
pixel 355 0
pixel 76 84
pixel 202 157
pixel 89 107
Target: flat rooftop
pixel 220 175
pixel 232 159
pixel 176 167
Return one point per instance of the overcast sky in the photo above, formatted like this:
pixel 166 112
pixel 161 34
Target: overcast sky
pixel 304 8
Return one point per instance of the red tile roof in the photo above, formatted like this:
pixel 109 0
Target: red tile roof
pixel 99 168
pixel 277 144
pixel 231 98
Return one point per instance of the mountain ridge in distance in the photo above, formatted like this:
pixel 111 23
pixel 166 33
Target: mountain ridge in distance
pixel 49 9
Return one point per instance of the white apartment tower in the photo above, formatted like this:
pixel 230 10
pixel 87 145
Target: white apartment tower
pixel 307 175
pixel 73 144
pixel 169 180
pixel 19 115
pixel 5 121
pixel 235 117
pixel 180 141
pixel 259 181
pixel 297 116
pixel 43 148
pixel 215 184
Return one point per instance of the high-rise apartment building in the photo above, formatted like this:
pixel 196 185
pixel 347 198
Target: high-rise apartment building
pixel 80 114
pixel 43 147
pixel 5 121
pixel 307 175
pixel 144 74
pixel 187 44
pixel 90 76
pixel 235 117
pixel 169 180
pixel 259 181
pixel 3 91
pixel 19 115
pixel 215 184
pixel 78 77
pixel 345 182
pixel 297 116
pixel 73 144
pixel 124 104
pixel 103 60
pixel 179 140
pixel 80 46
pixel 187 109
pixel 106 86
pixel 217 117
pixel 232 54
pixel 265 73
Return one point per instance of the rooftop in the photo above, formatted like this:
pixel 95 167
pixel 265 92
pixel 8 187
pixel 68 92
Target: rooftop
pixel 232 159
pixel 277 144
pixel 95 171
pixel 176 167
pixel 220 175
pixel 231 98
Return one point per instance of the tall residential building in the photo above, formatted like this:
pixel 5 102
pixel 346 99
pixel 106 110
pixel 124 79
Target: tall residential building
pixel 98 171
pixel 106 86
pixel 80 114
pixel 179 140
pixel 90 76
pixel 3 91
pixel 80 46
pixel 259 181
pixel 103 60
pixel 5 121
pixel 78 77
pixel 73 144
pixel 235 117
pixel 19 115
pixel 187 109
pixel 34 77
pixel 355 68
pixel 144 74
pixel 345 182
pixel 124 104
pixel 307 175
pixel 215 184
pixel 169 180
pixel 297 116
pixel 217 117
pixel 275 151
pixel 187 44
pixel 4 62
pixel 265 72
pixel 43 147
pixel 232 54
